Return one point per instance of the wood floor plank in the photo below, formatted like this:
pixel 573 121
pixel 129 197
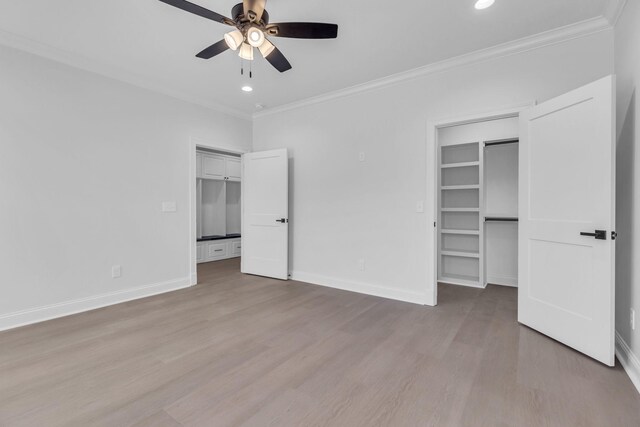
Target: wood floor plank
pixel 252 351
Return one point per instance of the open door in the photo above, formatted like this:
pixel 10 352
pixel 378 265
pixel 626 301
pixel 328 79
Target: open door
pixel 567 219
pixel 265 213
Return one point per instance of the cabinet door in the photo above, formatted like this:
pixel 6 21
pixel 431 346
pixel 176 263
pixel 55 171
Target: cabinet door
pixel 216 251
pixel 213 167
pixel 233 169
pixel 235 248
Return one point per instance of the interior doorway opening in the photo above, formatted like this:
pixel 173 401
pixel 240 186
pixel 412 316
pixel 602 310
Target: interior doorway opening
pixel 477 202
pixel 218 212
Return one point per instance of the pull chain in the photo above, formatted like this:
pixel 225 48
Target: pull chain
pixel 241 67
pixel 250 69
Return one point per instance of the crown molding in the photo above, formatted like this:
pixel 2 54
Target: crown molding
pixel 547 38
pixel 21 43
pixel 614 10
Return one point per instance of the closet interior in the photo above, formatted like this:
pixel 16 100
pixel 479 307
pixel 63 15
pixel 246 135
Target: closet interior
pixel 218 209
pixel 478 203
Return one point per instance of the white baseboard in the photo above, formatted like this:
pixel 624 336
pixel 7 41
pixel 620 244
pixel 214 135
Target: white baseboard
pixel 361 288
pixel 40 314
pixel 503 281
pixel 628 360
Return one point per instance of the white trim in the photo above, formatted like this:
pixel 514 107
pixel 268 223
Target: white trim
pixel 614 10
pixel 78 61
pixel 432 182
pixel 629 361
pixel 360 287
pixel 555 36
pixel 67 308
pixel 511 282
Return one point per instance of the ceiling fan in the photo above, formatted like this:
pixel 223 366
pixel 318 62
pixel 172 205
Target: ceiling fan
pixel 251 21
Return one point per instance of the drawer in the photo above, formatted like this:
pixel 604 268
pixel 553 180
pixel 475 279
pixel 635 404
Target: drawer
pixel 216 250
pixel 235 247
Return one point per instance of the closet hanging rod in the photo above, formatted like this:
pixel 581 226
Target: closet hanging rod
pixel 502 142
pixel 494 219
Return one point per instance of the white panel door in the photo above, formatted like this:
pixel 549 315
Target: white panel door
pixel 567 178
pixel 265 207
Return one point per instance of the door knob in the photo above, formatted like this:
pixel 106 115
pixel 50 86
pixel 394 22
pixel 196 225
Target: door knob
pixel 599 234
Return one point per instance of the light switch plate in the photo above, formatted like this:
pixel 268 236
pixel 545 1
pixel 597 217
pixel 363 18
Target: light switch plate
pixel 361 156
pixel 169 207
pixel 116 271
pixel 420 206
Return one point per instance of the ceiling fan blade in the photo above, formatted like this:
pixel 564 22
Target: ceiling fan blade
pixel 277 59
pixel 213 50
pixel 198 10
pixel 255 6
pixel 303 30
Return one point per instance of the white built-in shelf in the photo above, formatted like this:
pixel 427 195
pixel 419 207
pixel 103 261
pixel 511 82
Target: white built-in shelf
pixel 460 165
pixel 463 232
pixel 457 143
pixel 460 209
pixel 460 187
pixel 460 254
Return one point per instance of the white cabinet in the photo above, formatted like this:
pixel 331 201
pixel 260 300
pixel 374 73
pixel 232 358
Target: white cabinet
pixel 218 167
pixel 213 167
pixel 235 247
pixel 233 169
pixel 217 250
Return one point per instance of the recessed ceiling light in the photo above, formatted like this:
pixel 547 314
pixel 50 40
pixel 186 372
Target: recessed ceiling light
pixel 483 4
pixel 247 88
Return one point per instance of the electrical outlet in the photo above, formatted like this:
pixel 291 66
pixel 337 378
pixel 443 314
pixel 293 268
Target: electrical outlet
pixel 116 271
pixel 420 206
pixel 632 320
pixel 361 264
pixel 361 156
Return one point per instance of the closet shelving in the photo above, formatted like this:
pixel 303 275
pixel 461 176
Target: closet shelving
pixel 460 180
pixel 476 201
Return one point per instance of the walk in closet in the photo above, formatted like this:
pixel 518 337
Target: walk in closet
pixel 478 203
pixel 218 210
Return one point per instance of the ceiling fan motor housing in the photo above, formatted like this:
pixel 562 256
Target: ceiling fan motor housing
pixel 237 13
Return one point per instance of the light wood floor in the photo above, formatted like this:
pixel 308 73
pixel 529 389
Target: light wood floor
pixel 242 350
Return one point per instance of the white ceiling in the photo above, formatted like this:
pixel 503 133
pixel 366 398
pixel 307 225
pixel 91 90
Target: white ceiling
pixel 157 43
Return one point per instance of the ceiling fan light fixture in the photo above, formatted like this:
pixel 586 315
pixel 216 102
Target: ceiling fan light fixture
pixel 255 37
pixel 483 4
pixel 246 52
pixel 266 48
pixel 234 39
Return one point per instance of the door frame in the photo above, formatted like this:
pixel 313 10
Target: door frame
pixel 194 144
pixel 433 126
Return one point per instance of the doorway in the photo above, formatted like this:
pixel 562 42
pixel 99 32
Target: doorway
pixel 475 160
pixel 216 210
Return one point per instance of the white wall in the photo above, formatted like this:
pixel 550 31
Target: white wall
pixel 85 163
pixel 343 210
pixel 627 66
